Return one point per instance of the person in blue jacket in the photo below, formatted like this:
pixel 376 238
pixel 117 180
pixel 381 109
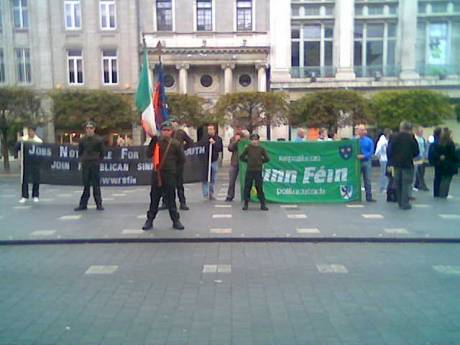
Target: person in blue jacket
pixel 366 148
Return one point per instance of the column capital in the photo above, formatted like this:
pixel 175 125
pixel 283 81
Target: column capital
pixel 261 65
pixel 228 65
pixel 183 66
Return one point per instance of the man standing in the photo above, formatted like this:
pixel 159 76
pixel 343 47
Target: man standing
pixel 91 153
pixel 366 147
pixel 255 156
pixel 185 141
pixel 432 160
pixel 420 160
pixel 234 163
pixel 300 138
pixel 403 148
pixel 214 142
pixel 168 158
pixel 32 170
pixel 381 154
pixel 324 135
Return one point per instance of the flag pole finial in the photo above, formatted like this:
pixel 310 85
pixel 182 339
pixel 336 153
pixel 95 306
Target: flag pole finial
pixel 159 49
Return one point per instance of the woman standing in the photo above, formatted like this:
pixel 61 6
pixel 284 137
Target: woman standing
pixel 445 161
pixel 381 153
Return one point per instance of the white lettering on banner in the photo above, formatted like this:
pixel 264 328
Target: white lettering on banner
pixel 108 155
pixel 109 181
pixel 144 166
pixel 39 151
pixel 321 175
pixel 66 152
pixel 195 150
pixel 282 176
pixel 58 165
pixel 114 167
pixel 127 154
pixel 298 159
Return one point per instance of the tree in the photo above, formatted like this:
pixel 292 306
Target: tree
pixel 188 109
pixel 253 109
pixel 110 111
pixel 18 107
pixel 330 109
pixel 421 107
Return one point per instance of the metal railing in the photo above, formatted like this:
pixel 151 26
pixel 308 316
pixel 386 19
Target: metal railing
pixel 440 71
pixel 377 71
pixel 313 72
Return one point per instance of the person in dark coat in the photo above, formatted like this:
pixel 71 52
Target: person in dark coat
pixel 255 156
pixel 168 158
pixel 215 142
pixel 403 148
pixel 445 160
pixel 234 162
pixel 91 153
pixel 185 141
pixel 432 160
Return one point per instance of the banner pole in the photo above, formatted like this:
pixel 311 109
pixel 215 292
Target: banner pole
pixel 22 164
pixel 209 169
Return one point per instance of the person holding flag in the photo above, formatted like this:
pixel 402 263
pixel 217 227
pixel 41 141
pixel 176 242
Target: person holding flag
pixel 214 146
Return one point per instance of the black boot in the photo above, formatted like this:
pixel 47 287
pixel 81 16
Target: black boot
pixel 100 207
pixel 245 207
pixel 148 224
pixel 178 225
pixel 183 206
pixel 263 207
pixel 80 208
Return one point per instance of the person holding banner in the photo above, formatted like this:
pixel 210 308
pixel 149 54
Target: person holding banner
pixel 32 170
pixel 91 153
pixel 168 158
pixel 255 156
pixel 214 146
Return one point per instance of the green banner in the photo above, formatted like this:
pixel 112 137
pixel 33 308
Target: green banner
pixel 310 172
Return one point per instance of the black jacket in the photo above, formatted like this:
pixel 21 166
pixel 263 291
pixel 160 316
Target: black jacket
pixel 91 148
pixel 448 165
pixel 175 157
pixel 402 149
pixel 183 138
pixel 217 147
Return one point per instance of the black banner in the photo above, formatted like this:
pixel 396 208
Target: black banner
pixel 121 166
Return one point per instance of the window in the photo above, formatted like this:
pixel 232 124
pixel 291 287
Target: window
pixel 75 67
pixel 1 19
pixel 440 7
pixel 204 15
pixel 169 80
pixel 72 14
pixel 245 80
pixel 244 15
pixel 2 66
pixel 206 80
pixel 20 14
pixel 24 74
pixel 164 15
pixel 374 48
pixel 437 43
pixel 109 67
pixel 108 14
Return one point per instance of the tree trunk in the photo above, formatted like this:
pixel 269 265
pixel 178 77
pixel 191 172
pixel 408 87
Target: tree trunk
pixel 269 132
pixel 5 155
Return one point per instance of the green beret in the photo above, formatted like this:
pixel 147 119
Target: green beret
pixel 166 125
pixel 90 124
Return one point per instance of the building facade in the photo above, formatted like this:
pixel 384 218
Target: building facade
pixel 213 47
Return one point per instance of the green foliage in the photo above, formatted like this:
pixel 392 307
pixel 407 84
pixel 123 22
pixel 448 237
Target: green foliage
pixel 330 109
pixel 19 107
pixel 422 107
pixel 253 109
pixel 110 111
pixel 188 109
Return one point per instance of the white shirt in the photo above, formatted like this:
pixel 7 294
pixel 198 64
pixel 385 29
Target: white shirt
pixel 381 149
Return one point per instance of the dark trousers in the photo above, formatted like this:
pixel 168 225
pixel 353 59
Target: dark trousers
pixel 254 176
pixel 166 190
pixel 31 173
pixel 436 182
pixel 444 185
pixel 233 175
pixel 403 181
pixel 91 177
pixel 180 186
pixel 420 177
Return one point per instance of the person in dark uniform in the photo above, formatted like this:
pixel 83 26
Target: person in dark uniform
pixel 255 156
pixel 185 141
pixel 91 153
pixel 168 158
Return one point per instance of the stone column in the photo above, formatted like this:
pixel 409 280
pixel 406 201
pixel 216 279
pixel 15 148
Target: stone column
pixel 228 77
pixel 280 42
pixel 343 37
pixel 261 77
pixel 408 28
pixel 183 77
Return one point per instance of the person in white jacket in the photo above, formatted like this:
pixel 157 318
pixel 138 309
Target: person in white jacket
pixel 381 154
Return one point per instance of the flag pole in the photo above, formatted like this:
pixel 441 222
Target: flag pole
pixel 22 163
pixel 209 169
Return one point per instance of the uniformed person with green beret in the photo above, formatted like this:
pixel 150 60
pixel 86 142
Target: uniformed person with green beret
pixel 91 153
pixel 168 157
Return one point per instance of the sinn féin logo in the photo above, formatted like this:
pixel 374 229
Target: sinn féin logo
pixel 346 192
pixel 346 151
